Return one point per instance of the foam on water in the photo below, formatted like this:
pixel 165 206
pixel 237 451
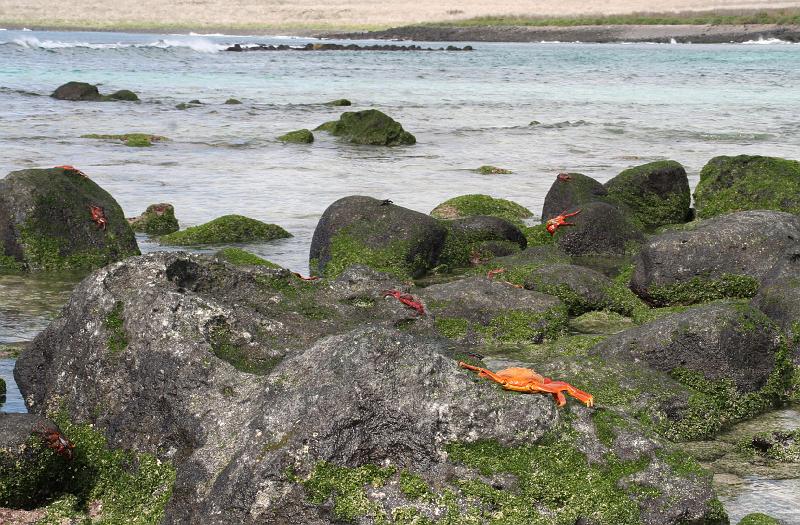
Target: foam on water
pixel 202 45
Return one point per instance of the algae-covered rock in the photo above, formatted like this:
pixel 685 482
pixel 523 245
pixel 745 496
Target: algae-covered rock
pixel 224 230
pixel 379 234
pixel 493 170
pixel 370 127
pixel 600 229
pixel 124 94
pixel 778 445
pixel 757 518
pixel 473 240
pixel 46 222
pixel 2 391
pixel 239 257
pixel 747 182
pixel 77 91
pixel 581 289
pixel 233 101
pixel 136 140
pixel 726 256
pixel 780 300
pixel 301 136
pixel 157 219
pixel 656 194
pixel 571 190
pixel 339 102
pixel 478 204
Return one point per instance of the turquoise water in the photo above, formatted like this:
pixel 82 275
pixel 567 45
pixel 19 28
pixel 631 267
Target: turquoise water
pixel 601 108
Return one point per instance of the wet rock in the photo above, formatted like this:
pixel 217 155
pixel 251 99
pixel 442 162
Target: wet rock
pixel 158 219
pixel 124 94
pixel 46 222
pixel 726 256
pixel 369 127
pixel 729 184
pixel 780 300
pixel 77 91
pixel 2 392
pixel 233 102
pixel 339 102
pixel 136 140
pixel 656 194
pixel 571 190
pixel 473 240
pixel 477 204
pixel 239 257
pixel 581 289
pixel 758 518
pixel 780 445
pixel 379 234
pixel 720 341
pixel 224 230
pixel 477 308
pixel 301 136
pixel 600 229
pixel 493 170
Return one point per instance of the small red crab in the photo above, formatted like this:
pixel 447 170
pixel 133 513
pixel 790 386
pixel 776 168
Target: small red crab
pixel 556 222
pixel 491 273
pixel 309 278
pixel 54 439
pixel 406 299
pixel 72 169
pixel 564 177
pixel 528 381
pixel 99 216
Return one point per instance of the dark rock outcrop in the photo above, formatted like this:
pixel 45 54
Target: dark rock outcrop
pixel 379 234
pixel 600 229
pixel 780 300
pixel 571 190
pixel 57 219
pixel 581 289
pixel 77 91
pixel 472 240
pixel 726 256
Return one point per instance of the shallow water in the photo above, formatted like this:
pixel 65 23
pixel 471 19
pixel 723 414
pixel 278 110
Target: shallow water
pixel 601 108
pixel 13 401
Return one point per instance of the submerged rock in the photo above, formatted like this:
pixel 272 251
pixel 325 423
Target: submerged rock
pixel 478 204
pixel 370 127
pixel 571 190
pixel 493 170
pixel 379 234
pixel 339 102
pixel 726 256
pixel 656 194
pixel 136 140
pixel 729 184
pixel 157 219
pixel 59 219
pixel 301 136
pixel 224 230
pixel 600 229
pixel 81 91
pixel 233 101
pixel 124 94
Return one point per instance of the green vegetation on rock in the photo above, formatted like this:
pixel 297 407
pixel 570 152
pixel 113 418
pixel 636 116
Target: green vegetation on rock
pixel 757 518
pixel 347 250
pixel 523 325
pixel 493 170
pixel 345 486
pixel 477 204
pixel 158 219
pixel 369 127
pixel 339 102
pixel 702 290
pixel 301 136
pixel 117 339
pixel 226 229
pixel 233 101
pixel 238 355
pixel 10 264
pixel 124 94
pixel 239 257
pixel 136 140
pixel 729 184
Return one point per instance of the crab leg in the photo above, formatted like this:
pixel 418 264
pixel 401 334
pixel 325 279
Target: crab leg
pixel 565 215
pixel 483 372
pixel 556 387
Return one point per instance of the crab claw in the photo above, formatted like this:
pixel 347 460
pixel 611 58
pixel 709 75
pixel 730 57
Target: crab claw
pixel 566 215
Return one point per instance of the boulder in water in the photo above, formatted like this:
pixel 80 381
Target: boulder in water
pixel 370 127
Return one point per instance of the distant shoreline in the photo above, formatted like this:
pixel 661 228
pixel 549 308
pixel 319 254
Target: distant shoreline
pixel 697 34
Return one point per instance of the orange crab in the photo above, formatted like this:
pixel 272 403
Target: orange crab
pixel 99 216
pixel 72 169
pixel 526 380
pixel 560 220
pixel 407 299
pixel 564 177
pixel 54 439
pixel 303 277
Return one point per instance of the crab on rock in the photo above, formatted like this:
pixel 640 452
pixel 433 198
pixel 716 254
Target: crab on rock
pixel 407 299
pixel 55 440
pixel 99 216
pixel 560 220
pixel 526 380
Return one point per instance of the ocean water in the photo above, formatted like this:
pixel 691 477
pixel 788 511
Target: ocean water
pixel 600 108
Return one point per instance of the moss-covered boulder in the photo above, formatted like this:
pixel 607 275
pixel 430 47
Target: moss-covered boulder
pixel 301 136
pixel 157 219
pixel 239 257
pixel 134 140
pixel 52 219
pixel 571 190
pixel 581 289
pixel 224 230
pixel 758 518
pixel 339 102
pixel 780 300
pixel 747 182
pixel 600 229
pixel 370 127
pixel 478 204
pixel 473 240
pixel 656 194
pixel 233 102
pixel 378 234
pixel 77 91
pixel 493 170
pixel 726 256
pixel 124 94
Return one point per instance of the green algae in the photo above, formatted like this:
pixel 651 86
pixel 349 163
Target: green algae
pixel 779 445
pixel 702 290
pixel 158 219
pixel 757 518
pixel 233 101
pixel 524 325
pixel 10 264
pixel 339 102
pixel 117 339
pixel 346 487
pixel 729 184
pixel 462 247
pixel 346 250
pixel 239 356
pixel 123 94
pixel 136 140
pixel 226 229
pixel 413 486
pixel 369 127
pixel 452 327
pixel 538 236
pixel 493 170
pixel 239 257
pixel 300 136
pixel 478 204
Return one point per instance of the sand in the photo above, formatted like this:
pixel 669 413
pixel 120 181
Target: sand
pixel 322 14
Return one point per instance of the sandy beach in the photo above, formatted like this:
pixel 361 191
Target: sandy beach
pixel 324 14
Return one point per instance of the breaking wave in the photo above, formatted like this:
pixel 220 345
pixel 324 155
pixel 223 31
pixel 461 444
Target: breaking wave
pixel 201 45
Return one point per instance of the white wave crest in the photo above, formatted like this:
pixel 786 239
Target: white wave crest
pixel 201 45
pixel 765 41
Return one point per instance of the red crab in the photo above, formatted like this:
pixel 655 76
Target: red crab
pixel 553 224
pixel 406 299
pixel 72 169
pixel 491 273
pixel 309 278
pixel 564 177
pixel 99 216
pixel 54 439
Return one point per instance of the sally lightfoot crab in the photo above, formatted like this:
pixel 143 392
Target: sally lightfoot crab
pixel 560 220
pixel 407 299
pixel 99 216
pixel 54 439
pixel 526 380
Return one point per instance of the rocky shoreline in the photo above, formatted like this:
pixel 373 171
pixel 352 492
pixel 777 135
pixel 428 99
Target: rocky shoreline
pixel 704 34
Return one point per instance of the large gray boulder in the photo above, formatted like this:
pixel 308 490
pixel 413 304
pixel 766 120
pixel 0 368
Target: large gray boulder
pixel 379 234
pixel 581 289
pixel 571 190
pixel 48 221
pixel 473 240
pixel 726 256
pixel 600 229
pixel 77 91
